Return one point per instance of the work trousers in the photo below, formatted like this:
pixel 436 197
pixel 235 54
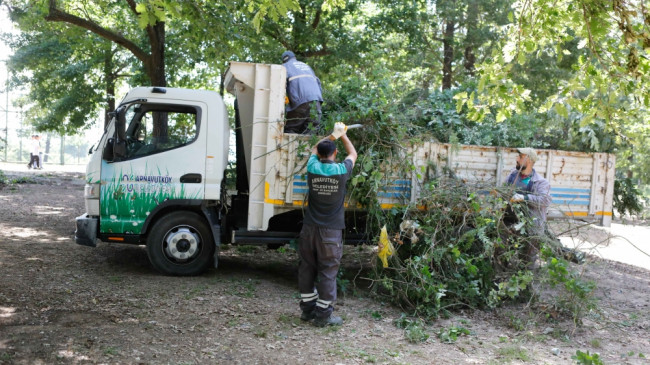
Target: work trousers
pixel 320 251
pixel 300 120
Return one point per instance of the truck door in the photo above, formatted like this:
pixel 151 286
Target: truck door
pixel 163 163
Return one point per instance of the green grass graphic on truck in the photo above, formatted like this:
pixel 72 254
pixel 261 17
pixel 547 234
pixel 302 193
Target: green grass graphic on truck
pixel 128 198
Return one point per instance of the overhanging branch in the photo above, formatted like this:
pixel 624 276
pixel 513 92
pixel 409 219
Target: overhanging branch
pixel 57 15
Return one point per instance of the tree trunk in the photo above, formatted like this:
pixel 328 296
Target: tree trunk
pixel 156 62
pixel 471 38
pixel 448 55
pixel 47 148
pixel 157 75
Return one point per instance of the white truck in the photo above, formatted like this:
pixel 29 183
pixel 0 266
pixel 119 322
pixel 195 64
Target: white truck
pixel 157 176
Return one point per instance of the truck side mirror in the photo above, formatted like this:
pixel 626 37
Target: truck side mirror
pixel 119 142
pixel 107 153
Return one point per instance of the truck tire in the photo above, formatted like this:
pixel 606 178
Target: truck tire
pixel 180 243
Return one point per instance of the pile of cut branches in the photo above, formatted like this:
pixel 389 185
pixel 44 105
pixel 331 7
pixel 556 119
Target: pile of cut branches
pixel 461 245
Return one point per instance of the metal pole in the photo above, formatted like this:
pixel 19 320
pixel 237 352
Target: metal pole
pixel 20 139
pixel 62 149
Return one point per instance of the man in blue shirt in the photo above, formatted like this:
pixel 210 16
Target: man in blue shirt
pixel 321 238
pixel 303 90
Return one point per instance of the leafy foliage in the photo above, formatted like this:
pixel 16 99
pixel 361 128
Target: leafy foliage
pixel 585 358
pixel 576 296
pixel 627 197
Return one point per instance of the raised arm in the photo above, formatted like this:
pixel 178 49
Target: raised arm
pixel 349 149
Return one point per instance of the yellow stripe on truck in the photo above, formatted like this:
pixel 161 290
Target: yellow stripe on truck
pixel 584 214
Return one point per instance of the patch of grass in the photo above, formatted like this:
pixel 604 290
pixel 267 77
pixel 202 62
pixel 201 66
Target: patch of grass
pixel 23 180
pixel 246 249
pixel 331 329
pixel 369 358
pixel 290 320
pixel 536 337
pixel 195 292
pixel 111 351
pixel 516 323
pixel 232 323
pixel 115 279
pixel 512 353
pixel 451 334
pixel 595 343
pixel 416 334
pixel 391 353
pixel 243 288
pixel 342 350
pixel 5 356
pixel 414 329
pixel 261 333
pixel 376 315
pixel 631 320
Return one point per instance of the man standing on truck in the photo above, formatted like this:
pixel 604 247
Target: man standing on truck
pixel 321 239
pixel 533 190
pixel 303 90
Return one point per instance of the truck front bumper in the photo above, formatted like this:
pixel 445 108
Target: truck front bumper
pixel 86 232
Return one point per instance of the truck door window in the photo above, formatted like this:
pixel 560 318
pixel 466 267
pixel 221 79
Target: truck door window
pixel 155 128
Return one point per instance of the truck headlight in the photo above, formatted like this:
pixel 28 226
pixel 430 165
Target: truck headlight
pixel 91 191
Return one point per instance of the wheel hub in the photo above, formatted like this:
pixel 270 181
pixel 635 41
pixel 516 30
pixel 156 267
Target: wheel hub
pixel 181 244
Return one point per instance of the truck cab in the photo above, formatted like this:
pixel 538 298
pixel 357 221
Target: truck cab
pixel 155 177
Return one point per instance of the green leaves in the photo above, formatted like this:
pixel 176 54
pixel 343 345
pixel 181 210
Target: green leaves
pixel 271 9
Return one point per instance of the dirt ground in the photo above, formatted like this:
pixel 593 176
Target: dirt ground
pixel 61 303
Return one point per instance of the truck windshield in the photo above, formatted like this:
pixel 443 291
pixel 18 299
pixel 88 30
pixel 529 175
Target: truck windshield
pixel 154 128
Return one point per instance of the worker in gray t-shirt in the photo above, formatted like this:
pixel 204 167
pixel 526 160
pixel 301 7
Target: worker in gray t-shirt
pixel 321 238
pixel 303 90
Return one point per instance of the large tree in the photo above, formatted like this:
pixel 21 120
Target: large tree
pixel 68 73
pixel 122 28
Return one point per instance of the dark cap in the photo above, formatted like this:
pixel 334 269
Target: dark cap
pixel 287 55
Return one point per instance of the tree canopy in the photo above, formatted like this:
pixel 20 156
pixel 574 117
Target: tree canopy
pixel 565 74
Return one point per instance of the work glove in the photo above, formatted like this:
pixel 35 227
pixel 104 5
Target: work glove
pixel 339 130
pixel 517 198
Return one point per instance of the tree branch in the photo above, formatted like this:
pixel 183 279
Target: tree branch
pixel 314 24
pixel 132 6
pixel 57 15
pixel 150 31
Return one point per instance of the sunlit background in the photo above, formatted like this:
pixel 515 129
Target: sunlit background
pixel 16 132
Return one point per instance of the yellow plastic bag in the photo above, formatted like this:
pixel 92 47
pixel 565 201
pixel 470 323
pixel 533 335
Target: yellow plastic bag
pixel 385 247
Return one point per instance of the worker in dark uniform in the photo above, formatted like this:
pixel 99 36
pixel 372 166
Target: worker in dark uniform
pixel 321 239
pixel 303 91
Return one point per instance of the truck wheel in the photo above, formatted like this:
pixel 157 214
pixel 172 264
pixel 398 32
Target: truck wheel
pixel 180 243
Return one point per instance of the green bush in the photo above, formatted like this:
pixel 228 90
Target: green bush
pixel 627 197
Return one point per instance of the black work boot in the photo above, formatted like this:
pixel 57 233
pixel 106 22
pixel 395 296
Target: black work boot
pixel 307 315
pixel 328 321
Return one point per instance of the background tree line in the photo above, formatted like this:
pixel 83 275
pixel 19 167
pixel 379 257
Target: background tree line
pixel 571 75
